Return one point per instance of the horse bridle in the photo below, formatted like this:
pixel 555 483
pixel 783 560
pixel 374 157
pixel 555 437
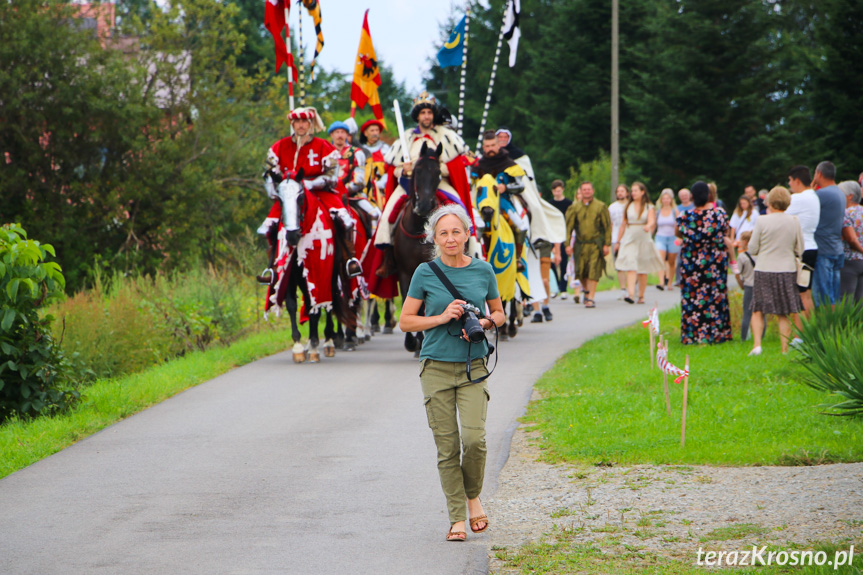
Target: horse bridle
pixel 411 197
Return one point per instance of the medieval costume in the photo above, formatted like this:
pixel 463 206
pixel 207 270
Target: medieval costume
pixel 352 171
pixel 376 170
pixel 454 184
pixel 505 171
pixel 546 221
pixel 318 161
pixel 592 226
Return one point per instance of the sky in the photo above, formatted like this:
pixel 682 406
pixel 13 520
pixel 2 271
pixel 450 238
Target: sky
pixel 405 33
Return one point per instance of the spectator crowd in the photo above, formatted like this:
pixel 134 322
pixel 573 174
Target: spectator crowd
pixel 791 249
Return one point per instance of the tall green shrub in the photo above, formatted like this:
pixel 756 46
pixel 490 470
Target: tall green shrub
pixel 831 352
pixel 31 367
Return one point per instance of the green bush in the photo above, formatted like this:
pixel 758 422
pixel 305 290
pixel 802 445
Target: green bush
pixel 109 336
pixel 831 353
pixel 32 376
pixel 126 324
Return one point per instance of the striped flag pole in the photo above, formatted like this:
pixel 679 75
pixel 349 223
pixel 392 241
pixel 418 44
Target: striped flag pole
pixel 491 80
pixel 290 65
pixel 301 53
pixel 463 75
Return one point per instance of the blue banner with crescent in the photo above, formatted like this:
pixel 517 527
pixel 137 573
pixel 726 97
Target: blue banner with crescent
pixel 452 53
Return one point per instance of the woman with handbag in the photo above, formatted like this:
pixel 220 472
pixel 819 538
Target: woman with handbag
pixel 453 373
pixel 777 240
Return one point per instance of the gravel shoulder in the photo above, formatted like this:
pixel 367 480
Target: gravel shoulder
pixel 671 510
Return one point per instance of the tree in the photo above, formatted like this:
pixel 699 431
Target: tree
pixel 707 96
pixel 835 89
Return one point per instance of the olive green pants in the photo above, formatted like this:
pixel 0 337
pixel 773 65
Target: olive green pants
pixel 450 398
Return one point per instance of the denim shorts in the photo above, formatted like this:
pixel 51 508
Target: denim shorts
pixel 666 244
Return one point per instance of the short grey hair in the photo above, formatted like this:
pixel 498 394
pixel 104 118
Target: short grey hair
pixel 434 218
pixel 827 169
pixel 851 188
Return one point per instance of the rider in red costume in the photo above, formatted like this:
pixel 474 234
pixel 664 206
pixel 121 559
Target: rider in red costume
pixel 319 161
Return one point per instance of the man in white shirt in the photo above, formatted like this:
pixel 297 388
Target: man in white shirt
pixel 806 206
pixel 615 212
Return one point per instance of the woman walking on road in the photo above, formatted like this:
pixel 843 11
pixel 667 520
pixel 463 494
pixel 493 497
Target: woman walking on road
pixel 705 317
pixel 451 392
pixel 637 255
pixel 666 240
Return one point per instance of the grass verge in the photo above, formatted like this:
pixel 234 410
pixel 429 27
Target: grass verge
pixel 602 404
pixel 562 554
pixel 26 441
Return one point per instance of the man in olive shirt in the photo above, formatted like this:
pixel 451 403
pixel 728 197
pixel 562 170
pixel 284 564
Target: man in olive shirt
pixel 590 221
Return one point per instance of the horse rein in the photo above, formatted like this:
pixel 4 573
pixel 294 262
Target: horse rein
pixel 409 202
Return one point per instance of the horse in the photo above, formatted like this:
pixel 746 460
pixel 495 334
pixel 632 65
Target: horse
pixel 305 222
pixel 409 246
pixel 348 338
pixel 500 246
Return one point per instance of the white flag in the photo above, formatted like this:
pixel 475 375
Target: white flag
pixel 512 32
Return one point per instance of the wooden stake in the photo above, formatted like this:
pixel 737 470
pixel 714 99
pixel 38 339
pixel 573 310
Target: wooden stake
pixel 652 343
pixel 665 380
pixel 685 395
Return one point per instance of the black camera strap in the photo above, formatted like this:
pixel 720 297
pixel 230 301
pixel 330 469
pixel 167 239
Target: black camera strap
pixel 454 292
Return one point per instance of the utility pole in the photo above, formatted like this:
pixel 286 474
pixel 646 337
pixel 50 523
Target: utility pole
pixel 615 101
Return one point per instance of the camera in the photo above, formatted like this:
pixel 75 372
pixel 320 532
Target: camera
pixel 470 319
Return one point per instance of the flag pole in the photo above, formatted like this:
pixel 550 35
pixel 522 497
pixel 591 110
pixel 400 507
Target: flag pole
pixel 685 394
pixel 290 65
pixel 463 75
pixel 664 345
pixel 301 53
pixel 491 79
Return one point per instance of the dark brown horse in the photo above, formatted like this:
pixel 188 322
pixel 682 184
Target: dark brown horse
pixel 409 245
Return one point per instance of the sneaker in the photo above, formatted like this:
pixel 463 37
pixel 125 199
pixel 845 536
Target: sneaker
pixel 547 313
pixel 623 294
pixel 537 318
pixel 755 351
pixel 564 295
pixel 796 341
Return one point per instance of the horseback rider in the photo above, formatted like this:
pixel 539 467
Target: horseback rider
pixel 547 224
pixel 509 176
pixel 319 162
pixel 430 119
pixel 352 169
pixel 375 149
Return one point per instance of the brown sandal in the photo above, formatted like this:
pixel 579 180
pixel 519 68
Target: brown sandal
pixel 453 535
pixel 480 519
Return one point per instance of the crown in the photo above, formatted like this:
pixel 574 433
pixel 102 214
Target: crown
pixel 425 98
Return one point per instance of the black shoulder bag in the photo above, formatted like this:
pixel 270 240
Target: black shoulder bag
pixel 491 348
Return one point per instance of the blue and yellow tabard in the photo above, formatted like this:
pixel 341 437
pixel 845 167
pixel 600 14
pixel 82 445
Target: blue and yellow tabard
pixel 476 282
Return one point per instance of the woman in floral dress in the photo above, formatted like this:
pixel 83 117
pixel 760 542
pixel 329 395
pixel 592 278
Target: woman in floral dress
pixel 705 317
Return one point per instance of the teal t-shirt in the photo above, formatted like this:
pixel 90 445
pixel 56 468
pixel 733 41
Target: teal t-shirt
pixel 476 282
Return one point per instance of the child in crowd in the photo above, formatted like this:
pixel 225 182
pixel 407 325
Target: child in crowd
pixel 746 280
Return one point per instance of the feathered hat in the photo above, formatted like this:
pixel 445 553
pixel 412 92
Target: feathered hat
pixel 310 114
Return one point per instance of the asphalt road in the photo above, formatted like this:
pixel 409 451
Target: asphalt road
pixel 277 468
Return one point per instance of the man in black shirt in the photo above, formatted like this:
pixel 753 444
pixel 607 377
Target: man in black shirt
pixel 562 203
